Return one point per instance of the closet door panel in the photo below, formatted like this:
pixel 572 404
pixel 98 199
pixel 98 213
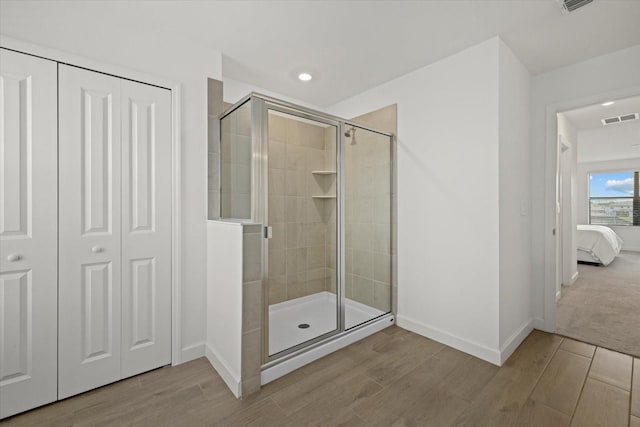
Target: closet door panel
pixel 28 221
pixel 89 230
pixel 146 225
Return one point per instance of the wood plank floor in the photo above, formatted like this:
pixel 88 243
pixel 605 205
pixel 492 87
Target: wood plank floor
pixel 392 378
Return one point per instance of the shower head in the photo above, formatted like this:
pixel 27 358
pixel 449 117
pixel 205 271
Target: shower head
pixel 351 132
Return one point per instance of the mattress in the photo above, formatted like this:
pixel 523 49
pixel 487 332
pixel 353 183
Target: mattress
pixel 599 242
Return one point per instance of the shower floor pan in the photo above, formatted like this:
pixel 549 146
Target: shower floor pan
pixel 319 312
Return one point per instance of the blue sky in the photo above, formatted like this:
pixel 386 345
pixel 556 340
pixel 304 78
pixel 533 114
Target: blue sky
pixel 611 184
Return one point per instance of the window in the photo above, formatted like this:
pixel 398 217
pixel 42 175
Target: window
pixel 614 198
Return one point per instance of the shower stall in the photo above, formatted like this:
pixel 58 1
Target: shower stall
pixel 319 188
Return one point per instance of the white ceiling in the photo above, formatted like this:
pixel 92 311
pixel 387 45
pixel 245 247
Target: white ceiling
pixel 349 46
pixel 613 142
pixel 610 143
pixel 590 117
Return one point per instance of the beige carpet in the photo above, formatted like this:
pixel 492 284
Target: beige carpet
pixel 603 306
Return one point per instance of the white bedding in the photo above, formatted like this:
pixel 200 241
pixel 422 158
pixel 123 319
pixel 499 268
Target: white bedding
pixel 601 242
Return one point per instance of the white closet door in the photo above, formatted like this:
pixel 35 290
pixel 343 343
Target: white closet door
pixel 28 221
pixel 146 227
pixel 89 230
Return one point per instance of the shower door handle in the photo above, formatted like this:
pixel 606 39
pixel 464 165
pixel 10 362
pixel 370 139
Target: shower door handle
pixel 268 232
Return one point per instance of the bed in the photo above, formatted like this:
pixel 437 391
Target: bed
pixel 597 244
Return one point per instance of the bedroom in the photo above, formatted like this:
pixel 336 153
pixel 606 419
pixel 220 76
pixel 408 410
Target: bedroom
pixel 598 283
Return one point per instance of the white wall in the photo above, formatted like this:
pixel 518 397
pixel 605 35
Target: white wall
pixel 630 235
pixel 224 301
pixel 164 55
pixel 514 195
pixel 599 79
pixel 448 232
pixel 568 256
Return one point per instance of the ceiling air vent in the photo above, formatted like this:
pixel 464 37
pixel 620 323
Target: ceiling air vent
pixel 571 5
pixel 619 119
pixel 626 117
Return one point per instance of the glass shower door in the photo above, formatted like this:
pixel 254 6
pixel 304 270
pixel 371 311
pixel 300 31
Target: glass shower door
pixel 367 205
pixel 302 215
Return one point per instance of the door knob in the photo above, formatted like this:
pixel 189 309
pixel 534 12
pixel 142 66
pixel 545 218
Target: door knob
pixel 97 249
pixel 14 257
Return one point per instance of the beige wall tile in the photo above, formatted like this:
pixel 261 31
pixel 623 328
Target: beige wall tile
pixel 363 290
pixel 295 183
pixel 315 257
pixel 315 160
pixel 382 268
pixel 252 305
pixel 293 132
pixel 251 354
pixel 382 179
pixel 277 288
pixel 241 150
pixel 348 285
pixel 295 157
pixel 381 209
pixel 314 210
pixel 294 235
pixel 365 182
pixel 363 206
pixel 315 285
pixel 294 208
pixel 277 241
pixel 276 209
pixel 362 236
pixel 277 158
pixel 251 257
pixel 277 127
pixel 314 234
pixel 243 120
pixel 296 260
pixel 213 205
pixel 382 296
pixel 277 263
pixel 363 263
pixel 381 241
pixel 276 182
pixel 331 280
pixel 348 260
pixel 296 285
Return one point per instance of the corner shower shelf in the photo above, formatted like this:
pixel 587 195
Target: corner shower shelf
pixel 323 197
pixel 323 172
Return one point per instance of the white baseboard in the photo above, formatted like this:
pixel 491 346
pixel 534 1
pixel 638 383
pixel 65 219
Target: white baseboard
pixel 192 352
pixel 558 295
pixel 475 349
pixel 232 380
pixel 574 277
pixel 515 340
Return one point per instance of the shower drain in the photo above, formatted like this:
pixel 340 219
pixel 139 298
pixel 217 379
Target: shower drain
pixel 303 325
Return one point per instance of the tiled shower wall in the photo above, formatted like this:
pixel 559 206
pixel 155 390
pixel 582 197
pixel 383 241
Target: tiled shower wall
pixel 368 216
pixel 386 119
pixel 298 257
pixel 235 173
pixel 215 107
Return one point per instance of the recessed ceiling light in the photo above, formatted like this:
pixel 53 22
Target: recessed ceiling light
pixel 304 77
pixel 606 104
